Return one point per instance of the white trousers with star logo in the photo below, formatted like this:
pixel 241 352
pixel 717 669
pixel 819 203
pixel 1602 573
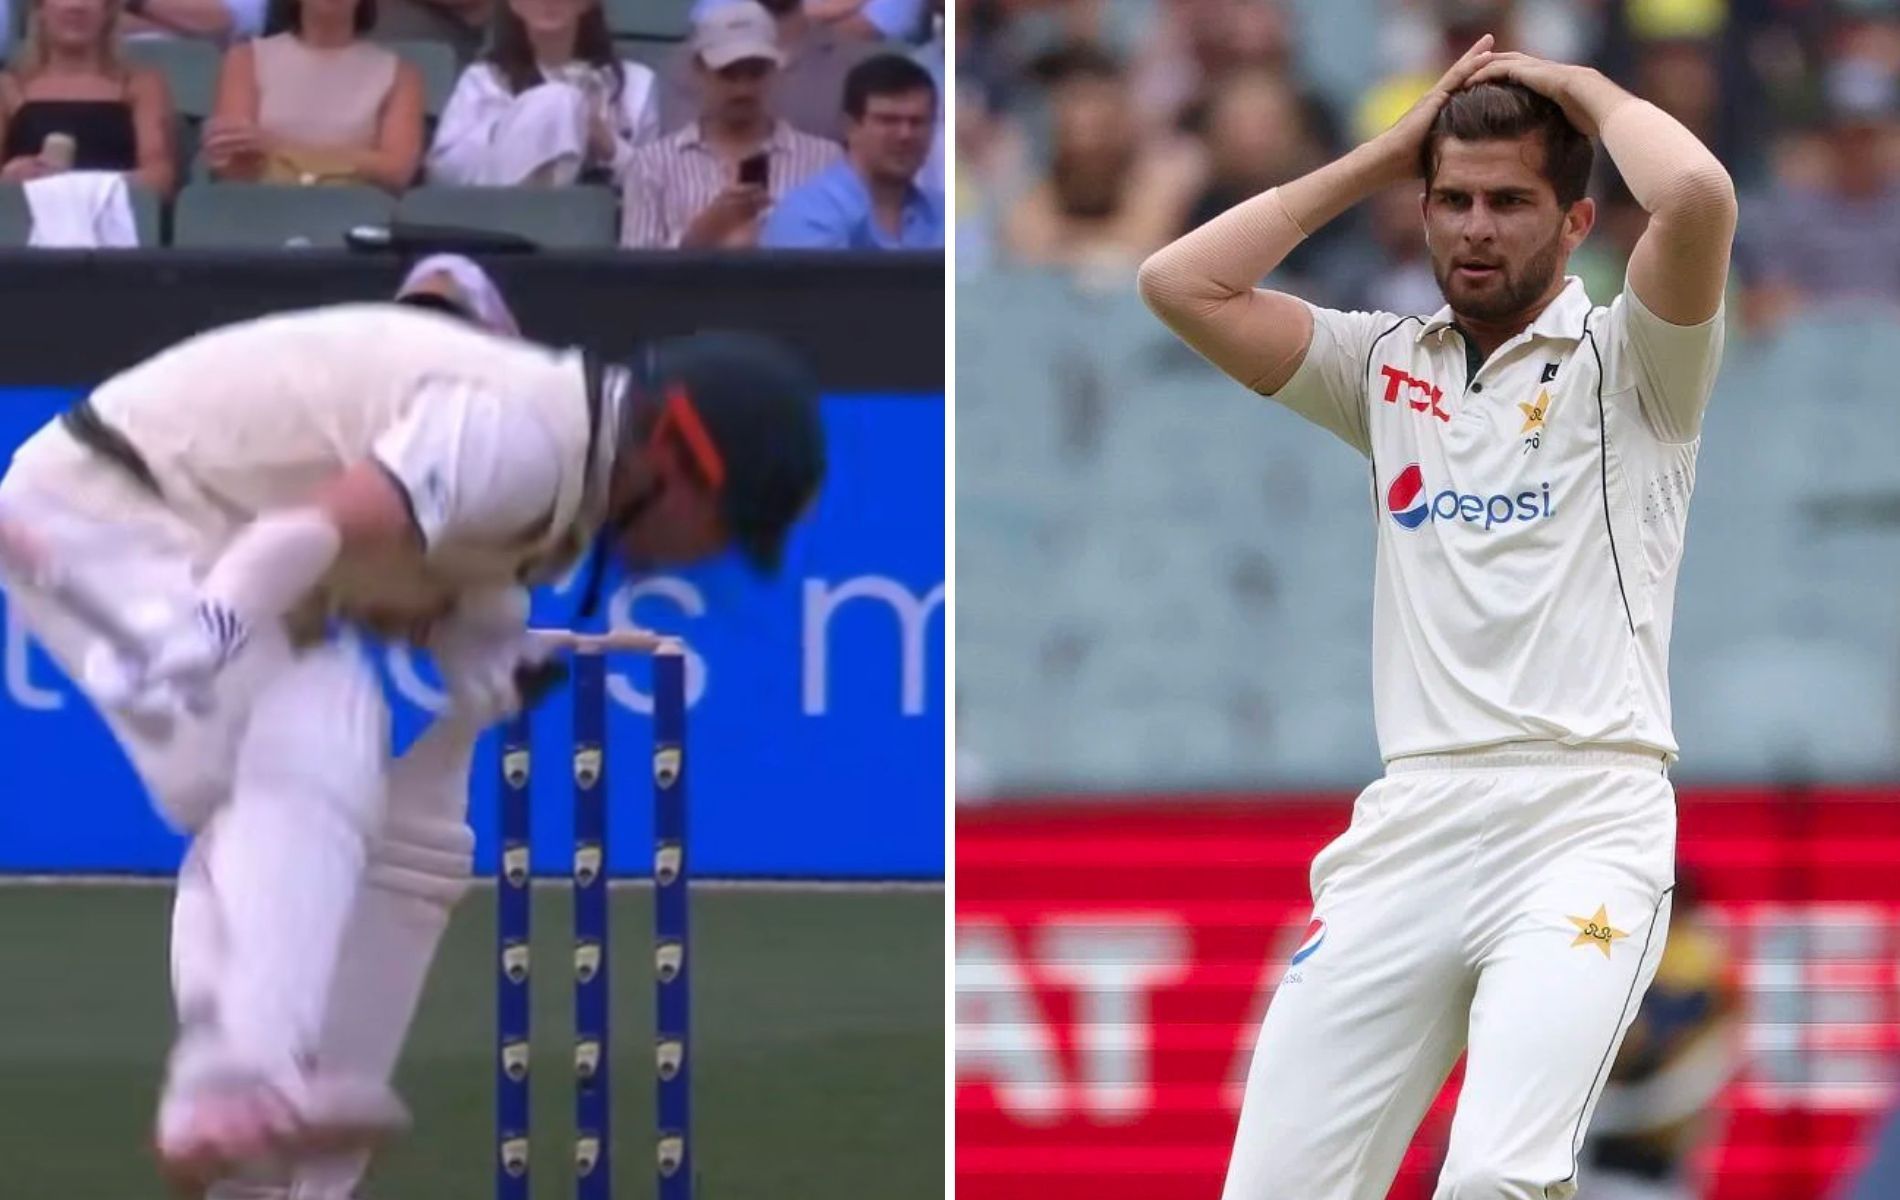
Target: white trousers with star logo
pixel 1507 905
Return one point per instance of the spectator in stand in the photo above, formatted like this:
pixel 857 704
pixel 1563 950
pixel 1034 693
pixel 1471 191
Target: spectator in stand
pixel 1206 41
pixel 317 104
pixel 219 21
pixel 859 20
pixel 548 104
pixel 1109 195
pixel 1714 67
pixel 1385 265
pixel 814 59
pixel 1603 259
pixel 1257 136
pixel 932 57
pixel 708 185
pixel 871 200
pixel 70 103
pixel 1415 45
pixel 1837 235
pixel 1682 77
pixel 1258 126
pixel 986 50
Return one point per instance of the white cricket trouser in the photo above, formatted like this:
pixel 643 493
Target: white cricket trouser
pixel 188 770
pixel 283 782
pixel 1511 902
pixel 1612 1186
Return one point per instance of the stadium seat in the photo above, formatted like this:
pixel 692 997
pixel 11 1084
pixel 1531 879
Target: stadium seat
pixel 190 67
pixel 16 219
pixel 648 52
pixel 254 215
pixel 650 18
pixel 439 70
pixel 145 214
pixel 1751 706
pixel 568 218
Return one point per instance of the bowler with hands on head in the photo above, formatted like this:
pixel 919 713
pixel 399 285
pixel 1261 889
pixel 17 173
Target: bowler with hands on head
pixel 1504 891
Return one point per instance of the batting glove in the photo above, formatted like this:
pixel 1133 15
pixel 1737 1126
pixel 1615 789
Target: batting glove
pixel 487 661
pixel 177 665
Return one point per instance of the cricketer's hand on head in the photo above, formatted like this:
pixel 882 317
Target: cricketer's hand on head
pixel 1554 81
pixel 1399 146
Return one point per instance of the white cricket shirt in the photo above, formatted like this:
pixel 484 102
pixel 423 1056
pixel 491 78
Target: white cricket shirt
pixel 487 436
pixel 1530 514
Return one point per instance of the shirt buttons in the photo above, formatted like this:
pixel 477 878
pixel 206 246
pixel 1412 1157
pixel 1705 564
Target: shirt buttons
pixel 1477 387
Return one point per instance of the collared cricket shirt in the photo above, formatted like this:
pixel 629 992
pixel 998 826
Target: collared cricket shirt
pixel 1530 512
pixel 487 437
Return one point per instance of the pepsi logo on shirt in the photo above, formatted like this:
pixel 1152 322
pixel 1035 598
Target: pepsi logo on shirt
pixel 1411 503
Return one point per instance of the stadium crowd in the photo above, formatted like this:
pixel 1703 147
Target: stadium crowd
pixel 719 124
pixel 1091 132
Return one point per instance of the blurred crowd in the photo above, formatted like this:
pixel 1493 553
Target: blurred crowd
pixel 1090 132
pixel 781 123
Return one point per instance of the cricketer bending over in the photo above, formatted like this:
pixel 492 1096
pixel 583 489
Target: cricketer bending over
pixel 255 491
pixel 1504 890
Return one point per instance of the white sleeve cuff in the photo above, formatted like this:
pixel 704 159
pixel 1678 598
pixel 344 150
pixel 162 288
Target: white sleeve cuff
pixel 473 464
pixel 273 563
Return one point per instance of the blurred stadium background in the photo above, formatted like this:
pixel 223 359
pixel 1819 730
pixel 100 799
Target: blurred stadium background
pixel 1164 603
pixel 817 699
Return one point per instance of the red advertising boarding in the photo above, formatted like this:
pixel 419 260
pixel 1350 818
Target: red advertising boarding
pixel 1113 961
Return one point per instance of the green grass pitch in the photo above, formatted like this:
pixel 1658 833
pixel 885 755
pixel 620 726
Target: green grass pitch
pixel 818 1057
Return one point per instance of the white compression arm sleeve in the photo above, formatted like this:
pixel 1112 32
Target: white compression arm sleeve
pixel 1202 286
pixel 273 563
pixel 1666 168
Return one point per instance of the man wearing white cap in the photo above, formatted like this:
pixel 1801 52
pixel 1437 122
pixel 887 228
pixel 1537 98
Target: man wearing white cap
pixel 708 185
pixel 456 285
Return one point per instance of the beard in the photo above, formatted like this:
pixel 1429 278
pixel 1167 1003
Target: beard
pixel 1515 289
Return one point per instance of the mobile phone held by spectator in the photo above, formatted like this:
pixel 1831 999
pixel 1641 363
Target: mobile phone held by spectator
pixel 58 151
pixel 756 171
pixel 671 195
